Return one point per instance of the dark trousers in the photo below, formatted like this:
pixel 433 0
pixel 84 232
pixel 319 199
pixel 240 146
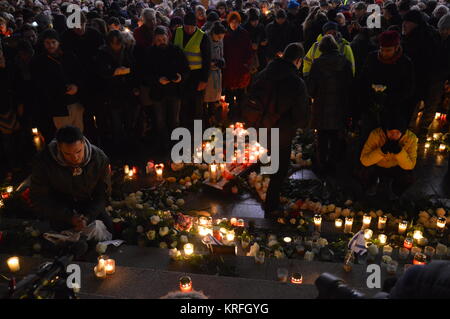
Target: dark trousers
pixel 328 147
pixel 272 202
pixel 432 99
pixel 166 114
pixel 401 179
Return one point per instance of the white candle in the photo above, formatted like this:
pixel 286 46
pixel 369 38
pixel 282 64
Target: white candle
pixel 417 234
pixel 13 264
pixel 287 240
pixel 348 224
pixel 110 266
pixel 126 169
pixel 188 249
pixel 213 173
pixel 366 221
pixel 382 222
pixel 35 131
pixel 338 223
pixel 442 147
pixel 368 234
pixel 402 226
pixel 440 223
pixel 382 238
pixel 318 222
pixel 159 171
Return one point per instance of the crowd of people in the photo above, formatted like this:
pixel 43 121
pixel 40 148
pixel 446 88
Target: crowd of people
pixel 131 67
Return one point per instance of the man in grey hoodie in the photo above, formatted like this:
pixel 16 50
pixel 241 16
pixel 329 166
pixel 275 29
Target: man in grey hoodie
pixel 70 182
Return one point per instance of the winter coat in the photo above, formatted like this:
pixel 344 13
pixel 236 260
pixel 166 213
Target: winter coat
pixel 279 36
pixel 214 87
pixel 314 53
pixel 290 96
pixel 115 89
pixel 328 84
pixel 164 62
pixel 56 190
pixel 397 77
pixel 373 155
pixel 50 76
pixel 238 57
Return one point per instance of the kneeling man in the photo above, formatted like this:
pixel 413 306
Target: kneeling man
pixel 70 182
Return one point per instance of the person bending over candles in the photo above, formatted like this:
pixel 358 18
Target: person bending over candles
pixel 389 154
pixel 70 182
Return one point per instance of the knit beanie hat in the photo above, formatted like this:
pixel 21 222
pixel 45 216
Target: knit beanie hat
pixel 414 16
pixel 189 19
pixel 330 25
pixel 293 4
pixel 389 39
pixel 444 22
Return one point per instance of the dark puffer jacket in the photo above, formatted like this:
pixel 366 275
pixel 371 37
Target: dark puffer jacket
pixel 55 192
pixel 328 84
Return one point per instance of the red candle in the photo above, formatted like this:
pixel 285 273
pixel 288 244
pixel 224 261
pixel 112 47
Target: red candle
pixel 408 243
pixel 185 284
pixel 420 259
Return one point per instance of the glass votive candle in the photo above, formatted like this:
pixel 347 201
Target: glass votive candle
pixel 429 251
pixel 387 250
pixel 440 223
pixel 368 234
pixel 382 222
pixel 110 266
pixel 348 224
pixel 420 259
pixel 408 243
pixel 366 221
pixel 318 222
pixel 282 274
pixel 13 264
pixel 382 239
pixel 296 278
pixel 188 249
pixel 403 253
pixel 185 284
pixel 233 221
pixel 417 234
pixel 402 226
pixel 338 223
pixel 287 240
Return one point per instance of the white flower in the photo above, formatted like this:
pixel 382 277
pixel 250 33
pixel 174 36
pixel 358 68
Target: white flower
pixel 184 239
pixel 386 258
pixel 322 242
pixel 155 219
pixel 162 245
pixel 279 254
pixel 139 206
pixel 140 229
pixel 174 244
pixel 373 250
pixel 379 87
pixel 101 248
pixel 163 231
pixel 272 243
pixel 174 253
pixel 254 249
pixel 180 202
pixel 293 221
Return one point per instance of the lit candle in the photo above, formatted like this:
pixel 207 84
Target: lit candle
pixel 203 221
pixel 366 221
pixel 427 145
pixel 230 236
pixel 213 173
pixel 402 227
pixel 318 222
pixel 382 222
pixel 382 238
pixel 159 168
pixel 126 169
pixel 13 264
pixel 110 266
pixel 240 223
pixel 408 243
pixel 185 284
pixel 188 249
pixel 287 240
pixel 100 269
pixel 440 223
pixel 130 173
pixel 233 221
pixel 437 115
pixel 436 136
pixel 420 259
pixel 203 231
pixel 296 278
pixel 338 223
pixel 417 234
pixel 442 147
pixel 9 189
pixel 368 234
pixel 348 224
pixel 35 131
pixel 150 166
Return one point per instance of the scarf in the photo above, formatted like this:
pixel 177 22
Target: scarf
pixel 392 60
pixel 59 158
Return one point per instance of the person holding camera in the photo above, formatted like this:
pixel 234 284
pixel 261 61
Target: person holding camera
pixel 389 153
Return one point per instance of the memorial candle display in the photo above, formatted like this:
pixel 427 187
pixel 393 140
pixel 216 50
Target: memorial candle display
pixel 100 270
pixel 382 239
pixel 402 227
pixel 382 222
pixel 186 284
pixel 366 221
pixel 408 243
pixel 213 173
pixel 368 234
pixel 188 249
pixel 110 266
pixel 420 259
pixel 318 222
pixel 296 278
pixel 13 264
pixel 417 235
pixel 440 223
pixel 348 224
pixel 338 223
pixel 159 168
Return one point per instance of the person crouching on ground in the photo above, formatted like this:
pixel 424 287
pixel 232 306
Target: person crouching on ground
pixel 390 152
pixel 70 182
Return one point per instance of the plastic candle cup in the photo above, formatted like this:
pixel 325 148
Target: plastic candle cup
pixel 382 238
pixel 382 222
pixel 408 243
pixel 296 278
pixel 110 266
pixel 185 284
pixel 417 235
pixel 188 249
pixel 318 222
pixel 348 224
pixel 338 223
pixel 420 259
pixel 13 264
pixel 366 221
pixel 402 227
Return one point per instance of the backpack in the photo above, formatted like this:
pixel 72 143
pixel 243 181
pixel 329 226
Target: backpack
pixel 260 108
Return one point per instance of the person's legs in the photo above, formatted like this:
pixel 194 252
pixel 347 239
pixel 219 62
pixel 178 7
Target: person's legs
pixel 173 105
pixel 368 177
pixel 322 148
pixel 272 202
pixel 401 179
pixel 431 101
pixel 160 116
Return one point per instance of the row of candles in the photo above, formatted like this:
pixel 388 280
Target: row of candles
pixel 105 266
pixel 367 219
pixel 8 192
pixel 442 147
pixel 131 173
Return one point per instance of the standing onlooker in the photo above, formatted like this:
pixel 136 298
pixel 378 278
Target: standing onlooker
pixel 238 55
pixel 328 84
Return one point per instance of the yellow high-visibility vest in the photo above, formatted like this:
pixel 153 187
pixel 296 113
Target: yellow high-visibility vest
pixel 192 48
